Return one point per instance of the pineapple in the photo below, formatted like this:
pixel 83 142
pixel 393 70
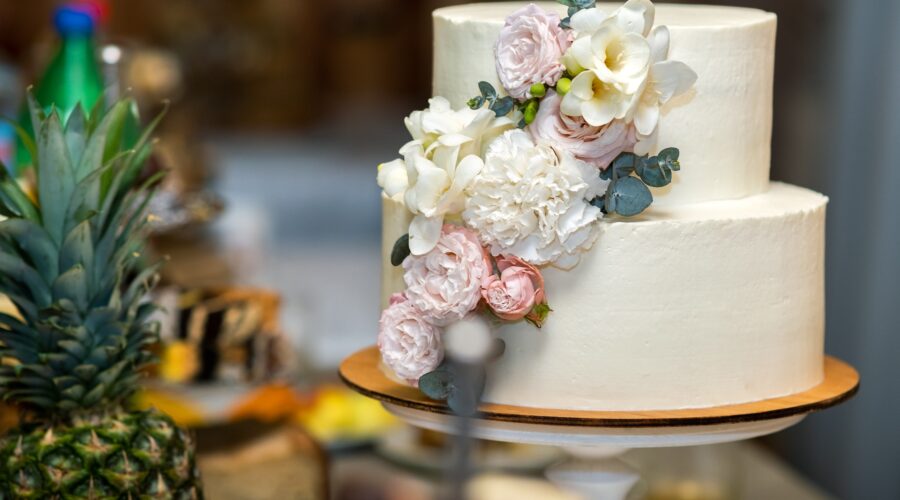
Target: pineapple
pixel 70 261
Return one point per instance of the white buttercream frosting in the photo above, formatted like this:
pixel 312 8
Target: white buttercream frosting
pixel 723 126
pixel 699 305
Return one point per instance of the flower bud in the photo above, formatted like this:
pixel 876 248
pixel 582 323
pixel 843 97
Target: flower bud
pixel 530 111
pixel 563 86
pixel 537 90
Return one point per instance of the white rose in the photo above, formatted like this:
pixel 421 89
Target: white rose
pixel 533 202
pixel 440 162
pixel 409 345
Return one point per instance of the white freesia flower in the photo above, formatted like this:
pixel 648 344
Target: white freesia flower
pixel 533 202
pixel 612 58
pixel 665 80
pixel 438 165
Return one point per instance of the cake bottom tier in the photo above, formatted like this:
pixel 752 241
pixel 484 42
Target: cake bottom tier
pixel 684 307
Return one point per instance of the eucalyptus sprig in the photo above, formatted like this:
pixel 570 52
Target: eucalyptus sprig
pixel 459 385
pixel 628 194
pixel 501 106
pixel 575 6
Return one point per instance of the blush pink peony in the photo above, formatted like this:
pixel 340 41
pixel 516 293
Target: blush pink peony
pixel 598 146
pixel 513 294
pixel 409 345
pixel 530 50
pixel 445 283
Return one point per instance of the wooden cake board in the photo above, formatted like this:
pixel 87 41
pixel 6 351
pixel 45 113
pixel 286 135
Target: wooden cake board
pixel 596 437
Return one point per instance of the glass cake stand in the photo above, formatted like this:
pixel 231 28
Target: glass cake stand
pixel 595 439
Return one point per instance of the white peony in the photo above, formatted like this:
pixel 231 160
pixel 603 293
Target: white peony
pixel 409 345
pixel 445 284
pixel 532 201
pixel 438 164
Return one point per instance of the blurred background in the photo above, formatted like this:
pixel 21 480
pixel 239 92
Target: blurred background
pixel 281 109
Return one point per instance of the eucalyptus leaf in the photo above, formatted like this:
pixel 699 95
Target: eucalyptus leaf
pixel 400 251
pixel 503 106
pixel 654 171
pixel 628 196
pixel 622 166
pixel 670 157
pixel 437 385
pixel 487 90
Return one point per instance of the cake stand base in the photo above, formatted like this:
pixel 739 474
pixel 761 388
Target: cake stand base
pixel 595 439
pixel 594 469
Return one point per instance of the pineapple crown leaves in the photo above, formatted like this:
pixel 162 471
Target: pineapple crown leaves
pixel 70 261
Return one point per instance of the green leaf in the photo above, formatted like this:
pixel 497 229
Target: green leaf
pixel 670 157
pixel 628 196
pixel 539 314
pixel 487 90
pixel 36 243
pixel 16 269
pixel 103 141
pixel 56 178
pixel 622 166
pixel 78 250
pixel 72 285
pixel 653 172
pixel 76 127
pixel 437 385
pixel 401 250
pixel 503 106
pixel 16 199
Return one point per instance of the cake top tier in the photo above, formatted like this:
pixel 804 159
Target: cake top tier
pixel 671 15
pixel 722 126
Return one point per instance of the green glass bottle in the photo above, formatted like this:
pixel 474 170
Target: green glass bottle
pixel 73 75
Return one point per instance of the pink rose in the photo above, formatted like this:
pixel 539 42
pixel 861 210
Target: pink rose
pixel 445 283
pixel 595 145
pixel 514 294
pixel 409 345
pixel 530 50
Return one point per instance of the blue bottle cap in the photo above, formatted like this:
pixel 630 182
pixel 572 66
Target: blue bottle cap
pixel 72 20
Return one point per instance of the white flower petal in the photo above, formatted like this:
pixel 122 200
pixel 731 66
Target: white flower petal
pixel 646 117
pixel 599 112
pixel 453 140
pixel 570 105
pixel 671 78
pixel 465 173
pixel 424 233
pixel 581 53
pixel 430 185
pixel 588 20
pixel 636 16
pixel 392 178
pixel 583 86
pixel 659 44
pixel 635 55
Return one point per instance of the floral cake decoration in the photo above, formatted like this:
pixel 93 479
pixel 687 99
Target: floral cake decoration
pixel 520 180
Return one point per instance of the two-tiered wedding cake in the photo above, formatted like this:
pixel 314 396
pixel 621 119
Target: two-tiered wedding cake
pixel 531 212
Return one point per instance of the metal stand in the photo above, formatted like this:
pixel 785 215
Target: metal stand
pixel 593 468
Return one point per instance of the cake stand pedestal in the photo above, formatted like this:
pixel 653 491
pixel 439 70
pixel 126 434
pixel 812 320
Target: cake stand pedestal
pixel 595 439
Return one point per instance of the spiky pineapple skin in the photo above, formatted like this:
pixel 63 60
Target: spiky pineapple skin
pixel 136 455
